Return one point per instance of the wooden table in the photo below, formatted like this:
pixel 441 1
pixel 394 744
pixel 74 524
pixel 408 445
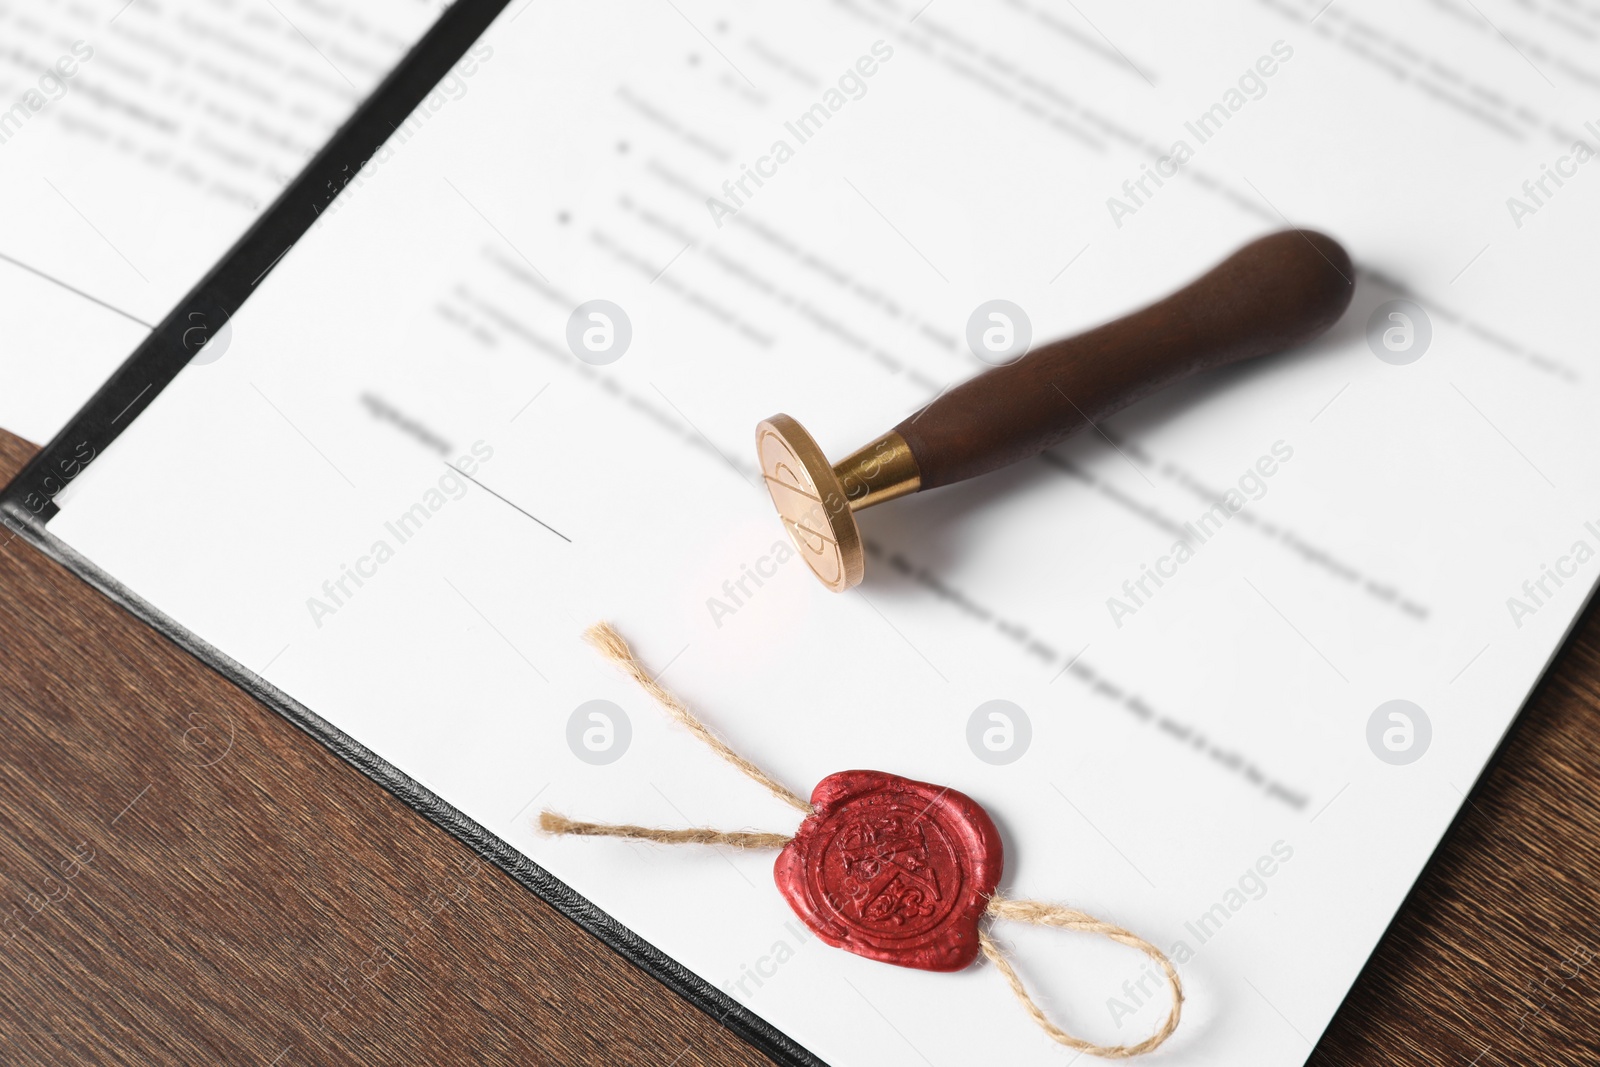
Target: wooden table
pixel 188 878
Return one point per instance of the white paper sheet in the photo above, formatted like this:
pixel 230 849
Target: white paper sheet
pixel 137 142
pixel 1208 768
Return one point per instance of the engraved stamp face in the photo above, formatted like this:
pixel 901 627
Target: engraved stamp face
pixel 810 502
pixel 893 869
pixel 796 497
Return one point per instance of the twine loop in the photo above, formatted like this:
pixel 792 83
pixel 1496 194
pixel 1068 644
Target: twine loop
pixel 1036 912
pixel 1041 913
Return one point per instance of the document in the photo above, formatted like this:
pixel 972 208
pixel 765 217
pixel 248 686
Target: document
pixel 1222 668
pixel 138 141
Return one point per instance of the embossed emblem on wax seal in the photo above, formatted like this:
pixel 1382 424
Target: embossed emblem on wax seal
pixel 892 869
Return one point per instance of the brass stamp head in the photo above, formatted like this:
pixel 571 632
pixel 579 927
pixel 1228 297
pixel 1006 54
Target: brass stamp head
pixel 811 502
pixel 817 502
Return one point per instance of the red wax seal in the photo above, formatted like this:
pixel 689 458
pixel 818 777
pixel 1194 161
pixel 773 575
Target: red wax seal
pixel 892 869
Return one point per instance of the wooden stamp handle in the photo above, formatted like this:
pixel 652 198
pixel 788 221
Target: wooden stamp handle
pixel 1274 293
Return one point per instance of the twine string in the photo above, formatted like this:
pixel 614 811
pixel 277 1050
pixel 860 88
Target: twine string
pixel 1037 912
pixel 610 644
pixel 1041 913
pixel 552 822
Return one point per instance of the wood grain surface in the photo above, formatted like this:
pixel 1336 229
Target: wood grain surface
pixel 185 877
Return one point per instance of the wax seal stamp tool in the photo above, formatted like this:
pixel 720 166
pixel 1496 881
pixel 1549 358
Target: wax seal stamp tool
pixel 1274 293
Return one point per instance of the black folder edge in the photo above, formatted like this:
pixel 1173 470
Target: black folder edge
pixel 27 502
